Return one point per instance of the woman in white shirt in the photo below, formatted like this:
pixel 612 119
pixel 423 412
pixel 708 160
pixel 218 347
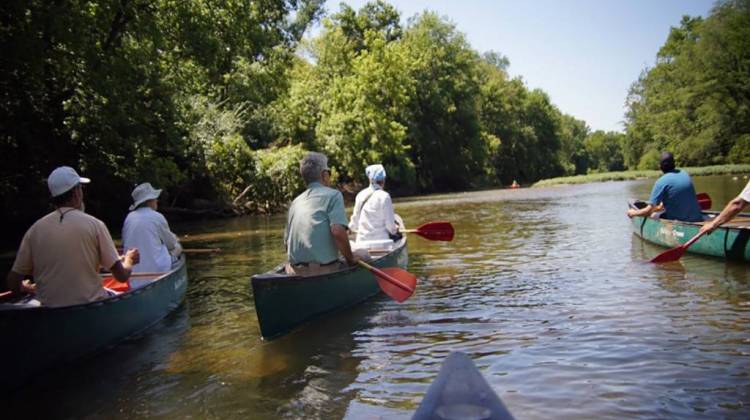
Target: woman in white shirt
pixel 373 217
pixel 148 230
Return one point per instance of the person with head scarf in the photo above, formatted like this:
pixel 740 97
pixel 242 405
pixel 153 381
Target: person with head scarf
pixel 674 191
pixel 147 229
pixel 373 217
pixel 65 249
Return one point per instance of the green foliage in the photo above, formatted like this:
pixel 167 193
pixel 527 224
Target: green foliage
pixel 640 174
pixel 277 180
pixel 100 85
pixel 695 101
pixel 218 100
pixel 605 151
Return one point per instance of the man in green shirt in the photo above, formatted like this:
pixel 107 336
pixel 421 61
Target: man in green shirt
pixel 316 228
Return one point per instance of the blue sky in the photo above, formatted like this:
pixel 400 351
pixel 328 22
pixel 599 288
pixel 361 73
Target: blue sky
pixel 584 53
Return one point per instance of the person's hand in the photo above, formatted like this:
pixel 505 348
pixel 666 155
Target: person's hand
pixel 28 287
pixel 707 228
pixel 132 257
pixel 632 213
pixel 354 260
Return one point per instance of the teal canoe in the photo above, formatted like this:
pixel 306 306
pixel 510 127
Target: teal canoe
pixel 460 392
pixel 37 338
pixel 285 302
pixel 730 241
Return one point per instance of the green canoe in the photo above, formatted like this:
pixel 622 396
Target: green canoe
pixel 730 241
pixel 36 338
pixel 284 302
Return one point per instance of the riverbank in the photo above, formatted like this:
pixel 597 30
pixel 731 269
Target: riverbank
pixel 630 175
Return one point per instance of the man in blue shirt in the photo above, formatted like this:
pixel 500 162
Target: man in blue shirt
pixel 675 191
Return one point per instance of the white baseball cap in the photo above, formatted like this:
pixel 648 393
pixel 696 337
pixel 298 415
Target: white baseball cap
pixel 62 179
pixel 143 193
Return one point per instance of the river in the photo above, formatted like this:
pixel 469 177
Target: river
pixel 547 290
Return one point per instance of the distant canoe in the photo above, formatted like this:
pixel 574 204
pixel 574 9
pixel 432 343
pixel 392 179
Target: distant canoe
pixel 37 338
pixel 460 392
pixel 730 241
pixel 285 302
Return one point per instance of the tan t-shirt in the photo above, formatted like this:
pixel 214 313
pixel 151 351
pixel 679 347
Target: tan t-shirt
pixel 64 255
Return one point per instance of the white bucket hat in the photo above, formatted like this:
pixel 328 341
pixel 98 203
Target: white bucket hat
pixel 62 179
pixel 143 193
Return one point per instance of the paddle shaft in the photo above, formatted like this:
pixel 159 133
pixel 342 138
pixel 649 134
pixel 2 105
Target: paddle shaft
pixel 385 276
pixel 692 240
pixel 200 250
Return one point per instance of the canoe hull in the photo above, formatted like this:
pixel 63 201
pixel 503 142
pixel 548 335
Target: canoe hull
pixel 460 392
pixel 40 338
pixel 284 302
pixel 732 243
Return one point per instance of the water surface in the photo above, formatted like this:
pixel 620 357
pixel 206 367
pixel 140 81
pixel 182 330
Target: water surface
pixel 547 290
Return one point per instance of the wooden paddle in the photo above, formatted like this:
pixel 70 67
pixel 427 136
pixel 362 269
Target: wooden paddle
pixel 395 282
pixel 200 250
pixel 675 254
pixel 434 231
pixel 704 200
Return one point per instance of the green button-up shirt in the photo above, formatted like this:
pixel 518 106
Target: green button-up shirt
pixel 308 235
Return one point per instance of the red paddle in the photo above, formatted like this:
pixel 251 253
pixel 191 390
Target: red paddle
pixel 704 200
pixel 675 254
pixel 434 231
pixel 394 282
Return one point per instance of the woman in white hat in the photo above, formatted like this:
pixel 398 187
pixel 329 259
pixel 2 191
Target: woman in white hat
pixel 148 230
pixel 373 217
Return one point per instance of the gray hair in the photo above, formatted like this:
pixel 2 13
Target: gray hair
pixel 311 167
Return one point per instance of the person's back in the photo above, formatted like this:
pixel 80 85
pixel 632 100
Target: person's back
pixel 376 219
pixel 316 229
pixel 676 191
pixel 64 249
pixel 373 218
pixel 309 222
pixel 142 230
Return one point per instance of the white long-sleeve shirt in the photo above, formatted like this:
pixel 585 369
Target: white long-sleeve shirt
pixel 148 230
pixel 373 216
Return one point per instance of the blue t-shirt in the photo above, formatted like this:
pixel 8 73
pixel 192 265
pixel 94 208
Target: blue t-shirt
pixel 675 189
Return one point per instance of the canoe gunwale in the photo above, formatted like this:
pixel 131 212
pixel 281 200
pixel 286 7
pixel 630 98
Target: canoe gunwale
pixel 727 226
pixel 101 302
pixel 276 275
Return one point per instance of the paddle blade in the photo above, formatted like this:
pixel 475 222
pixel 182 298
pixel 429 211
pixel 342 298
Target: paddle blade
pixel 436 231
pixel 673 254
pixel 391 289
pixel 704 200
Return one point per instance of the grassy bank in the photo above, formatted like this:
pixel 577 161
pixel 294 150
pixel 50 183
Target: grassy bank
pixel 627 175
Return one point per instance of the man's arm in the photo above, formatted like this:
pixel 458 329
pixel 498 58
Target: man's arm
pixel 645 212
pixel 341 237
pixel 732 209
pixel 168 238
pixel 121 269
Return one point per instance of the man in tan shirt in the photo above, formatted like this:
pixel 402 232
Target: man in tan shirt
pixel 65 249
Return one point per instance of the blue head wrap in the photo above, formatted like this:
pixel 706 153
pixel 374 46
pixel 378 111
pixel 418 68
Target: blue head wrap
pixel 375 173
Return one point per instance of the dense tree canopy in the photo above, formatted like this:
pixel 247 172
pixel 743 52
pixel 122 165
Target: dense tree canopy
pixel 696 100
pixel 216 102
